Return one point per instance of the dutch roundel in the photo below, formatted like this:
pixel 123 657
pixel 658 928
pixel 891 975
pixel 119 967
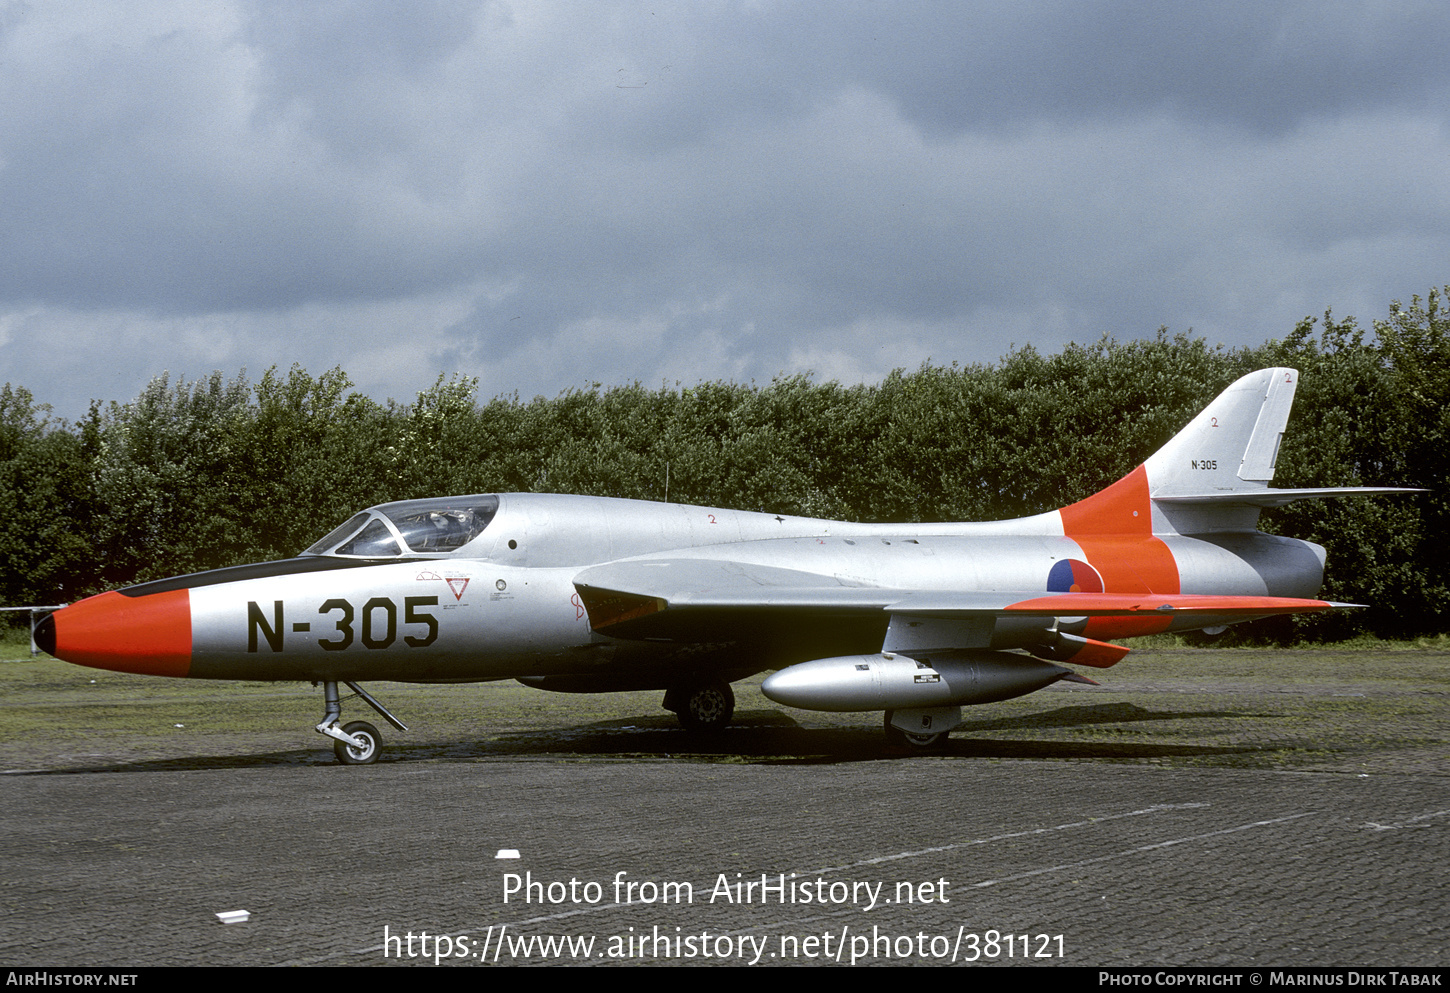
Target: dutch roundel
pixel 1074 576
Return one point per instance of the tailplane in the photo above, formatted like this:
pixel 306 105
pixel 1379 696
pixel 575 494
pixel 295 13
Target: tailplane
pixel 1214 474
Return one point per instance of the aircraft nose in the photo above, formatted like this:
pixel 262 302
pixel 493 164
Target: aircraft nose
pixel 149 634
pixel 44 634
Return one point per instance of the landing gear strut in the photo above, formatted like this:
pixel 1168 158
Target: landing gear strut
pixel 358 742
pixel 702 706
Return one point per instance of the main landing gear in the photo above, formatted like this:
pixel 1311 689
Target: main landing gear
pixel 706 706
pixel 927 728
pixel 358 742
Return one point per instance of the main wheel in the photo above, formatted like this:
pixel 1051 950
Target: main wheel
pixel 707 707
pixel 911 740
pixel 371 743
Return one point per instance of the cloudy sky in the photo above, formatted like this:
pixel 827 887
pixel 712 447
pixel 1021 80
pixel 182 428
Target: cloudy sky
pixel 549 194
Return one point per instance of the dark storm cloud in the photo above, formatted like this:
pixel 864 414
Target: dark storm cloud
pixel 542 195
pixel 194 170
pixel 331 62
pixel 1259 67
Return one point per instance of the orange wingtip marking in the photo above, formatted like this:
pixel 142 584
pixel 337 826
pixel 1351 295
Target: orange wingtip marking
pixel 1150 605
pixel 150 635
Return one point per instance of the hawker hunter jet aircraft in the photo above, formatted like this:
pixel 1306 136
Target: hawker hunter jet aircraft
pixel 590 594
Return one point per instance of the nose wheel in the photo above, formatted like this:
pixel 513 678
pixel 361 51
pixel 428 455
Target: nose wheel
pixel 364 753
pixel 358 742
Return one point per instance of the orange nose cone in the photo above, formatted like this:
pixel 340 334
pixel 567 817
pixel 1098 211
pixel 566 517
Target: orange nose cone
pixel 150 635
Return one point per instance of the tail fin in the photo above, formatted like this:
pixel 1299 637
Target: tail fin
pixel 1214 474
pixel 1232 446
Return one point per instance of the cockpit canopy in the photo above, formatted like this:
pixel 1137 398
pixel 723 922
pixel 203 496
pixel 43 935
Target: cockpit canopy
pixel 410 527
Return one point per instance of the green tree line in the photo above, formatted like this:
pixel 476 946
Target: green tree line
pixel 197 475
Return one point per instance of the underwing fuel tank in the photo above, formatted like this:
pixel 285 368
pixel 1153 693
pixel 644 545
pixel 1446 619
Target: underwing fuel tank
pixel 892 681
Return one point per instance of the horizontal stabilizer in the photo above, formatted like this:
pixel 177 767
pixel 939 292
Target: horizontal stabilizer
pixel 1213 475
pixel 1278 498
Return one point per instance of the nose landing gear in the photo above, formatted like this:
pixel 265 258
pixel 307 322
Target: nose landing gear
pixel 358 742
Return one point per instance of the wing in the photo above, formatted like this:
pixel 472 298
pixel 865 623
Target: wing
pixel 705 600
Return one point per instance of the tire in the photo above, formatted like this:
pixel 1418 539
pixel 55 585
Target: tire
pixel 1207 638
pixel 909 741
pixel 707 707
pixel 372 744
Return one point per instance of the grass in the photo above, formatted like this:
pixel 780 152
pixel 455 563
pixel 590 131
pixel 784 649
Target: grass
pixel 1359 643
pixel 1381 709
pixel 14 642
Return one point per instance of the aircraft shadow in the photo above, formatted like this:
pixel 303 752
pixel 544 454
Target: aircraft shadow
pixel 755 737
pixel 1106 713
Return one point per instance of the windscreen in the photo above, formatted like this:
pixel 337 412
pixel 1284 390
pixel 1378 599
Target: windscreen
pixel 374 541
pixel 337 534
